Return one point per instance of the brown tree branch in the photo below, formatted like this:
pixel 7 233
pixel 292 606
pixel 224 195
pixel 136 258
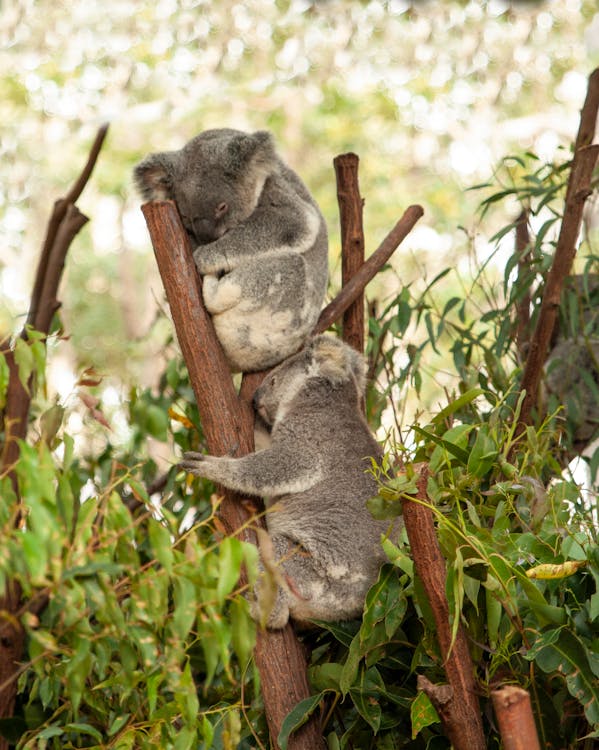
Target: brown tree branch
pixel 368 269
pixel 65 222
pixel 456 703
pixel 60 209
pixel 352 243
pixel 578 190
pixel 228 426
pixel 515 718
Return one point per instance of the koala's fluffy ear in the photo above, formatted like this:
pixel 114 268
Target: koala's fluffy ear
pixel 338 362
pixel 154 176
pixel 256 148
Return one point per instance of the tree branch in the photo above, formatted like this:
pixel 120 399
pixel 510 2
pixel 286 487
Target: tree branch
pixel 58 213
pixel 352 243
pixel 368 269
pixel 228 426
pixel 515 718
pixel 65 222
pixel 456 703
pixel 578 190
pixel 523 306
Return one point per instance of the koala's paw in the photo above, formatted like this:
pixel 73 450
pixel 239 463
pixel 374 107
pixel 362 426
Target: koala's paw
pixel 210 261
pixel 192 462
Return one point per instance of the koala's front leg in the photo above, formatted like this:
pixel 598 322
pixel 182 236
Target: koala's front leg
pixel 213 259
pixel 271 472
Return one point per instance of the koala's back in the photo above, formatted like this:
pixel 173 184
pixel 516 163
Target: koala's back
pixel 266 306
pixel 331 520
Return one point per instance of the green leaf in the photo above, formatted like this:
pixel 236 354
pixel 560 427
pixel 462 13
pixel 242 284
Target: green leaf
pixel 160 539
pixel 483 454
pixel 82 728
pixel 352 663
pixel 24 361
pixel 185 609
pixel 230 557
pixel 422 714
pixel 562 651
pixel 366 696
pixel 243 630
pixel 327 676
pixel 455 433
pixel 459 403
pixel 297 717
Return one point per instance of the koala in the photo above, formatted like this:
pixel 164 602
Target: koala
pixel 261 240
pixel 572 366
pixel 313 478
pixel 572 374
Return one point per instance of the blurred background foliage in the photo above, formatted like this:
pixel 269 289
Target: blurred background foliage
pixel 430 95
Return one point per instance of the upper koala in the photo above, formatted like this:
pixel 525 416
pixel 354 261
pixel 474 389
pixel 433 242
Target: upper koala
pixel 261 240
pixel 313 477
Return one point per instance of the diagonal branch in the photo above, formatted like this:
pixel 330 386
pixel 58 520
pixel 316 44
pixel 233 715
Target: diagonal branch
pixel 369 269
pixel 58 214
pixel 578 190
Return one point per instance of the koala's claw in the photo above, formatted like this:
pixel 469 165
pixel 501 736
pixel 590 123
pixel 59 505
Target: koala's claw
pixel 190 462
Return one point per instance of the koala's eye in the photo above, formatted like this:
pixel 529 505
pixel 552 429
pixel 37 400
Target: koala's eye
pixel 221 210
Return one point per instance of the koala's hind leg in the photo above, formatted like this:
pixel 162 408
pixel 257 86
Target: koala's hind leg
pixel 313 592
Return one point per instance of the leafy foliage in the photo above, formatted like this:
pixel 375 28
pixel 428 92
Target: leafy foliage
pixel 137 632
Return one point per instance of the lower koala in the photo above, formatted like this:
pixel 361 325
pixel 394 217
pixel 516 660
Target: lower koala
pixel 313 477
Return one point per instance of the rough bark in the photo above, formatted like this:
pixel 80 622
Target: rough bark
pixel 577 191
pixel 515 718
pixel 64 224
pixel 456 703
pixel 227 422
pixel 352 243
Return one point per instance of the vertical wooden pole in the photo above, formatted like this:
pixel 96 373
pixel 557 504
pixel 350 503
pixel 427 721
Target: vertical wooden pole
pixel 352 243
pixel 227 422
pixel 515 718
pixel 456 703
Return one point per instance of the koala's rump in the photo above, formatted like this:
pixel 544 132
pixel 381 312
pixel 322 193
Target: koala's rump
pixel 261 318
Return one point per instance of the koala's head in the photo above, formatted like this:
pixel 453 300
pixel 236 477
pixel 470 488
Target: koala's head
pixel 216 179
pixel 325 363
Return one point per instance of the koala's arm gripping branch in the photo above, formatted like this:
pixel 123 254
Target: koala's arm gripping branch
pixel 269 472
pixel 228 426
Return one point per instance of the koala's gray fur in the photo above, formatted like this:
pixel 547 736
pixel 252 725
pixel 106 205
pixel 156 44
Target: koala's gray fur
pixel 572 366
pixel 261 240
pixel 314 481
